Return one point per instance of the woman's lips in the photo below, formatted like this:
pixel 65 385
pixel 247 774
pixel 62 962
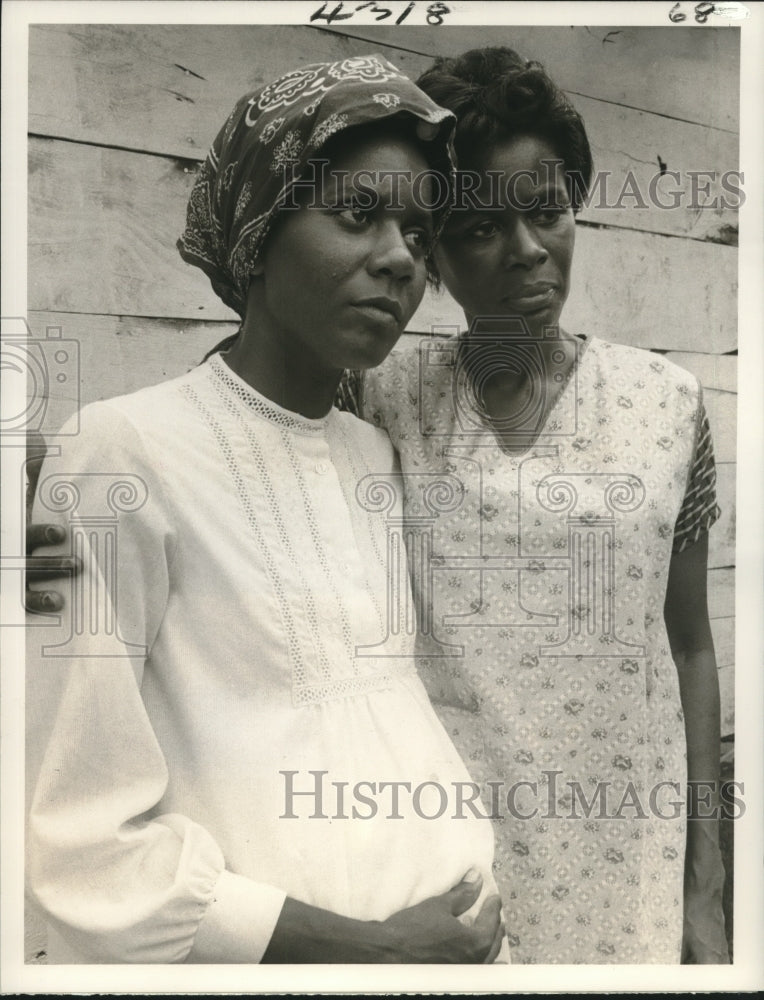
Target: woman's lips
pixel 529 300
pixel 377 315
pixel 381 308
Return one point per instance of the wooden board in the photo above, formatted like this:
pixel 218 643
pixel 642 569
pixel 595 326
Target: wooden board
pixel 120 354
pixel 654 291
pixel 166 88
pixel 721 540
pixel 713 370
pixel 630 150
pixel 727 699
pixel 721 593
pixel 721 408
pixel 723 630
pixel 153 104
pixel 175 81
pixel 678 72
pixel 109 247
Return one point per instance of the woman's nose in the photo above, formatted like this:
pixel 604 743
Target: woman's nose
pixel 391 254
pixel 523 246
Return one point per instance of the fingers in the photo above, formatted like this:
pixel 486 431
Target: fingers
pixel 51 567
pixel 44 534
pixel 464 893
pixel 490 913
pixel 36 449
pixel 488 924
pixel 495 945
pixel 43 602
pixel 36 446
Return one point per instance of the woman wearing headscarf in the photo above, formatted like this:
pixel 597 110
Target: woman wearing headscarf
pixel 233 772
pixel 570 656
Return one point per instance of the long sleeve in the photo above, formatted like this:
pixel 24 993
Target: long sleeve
pixel 119 879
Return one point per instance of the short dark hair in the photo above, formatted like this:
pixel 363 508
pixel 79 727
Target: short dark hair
pixel 497 95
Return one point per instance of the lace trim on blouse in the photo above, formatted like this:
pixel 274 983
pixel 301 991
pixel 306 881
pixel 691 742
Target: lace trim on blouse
pixel 321 683
pixel 262 406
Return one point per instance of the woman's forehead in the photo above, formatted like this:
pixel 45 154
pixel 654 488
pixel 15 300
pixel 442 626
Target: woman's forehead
pixel 508 174
pixel 520 155
pixel 382 153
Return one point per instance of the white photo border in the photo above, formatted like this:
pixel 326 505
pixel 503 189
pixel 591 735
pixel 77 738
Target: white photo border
pixel 747 972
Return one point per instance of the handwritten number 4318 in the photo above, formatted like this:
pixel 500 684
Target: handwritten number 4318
pixel 435 12
pixel 702 10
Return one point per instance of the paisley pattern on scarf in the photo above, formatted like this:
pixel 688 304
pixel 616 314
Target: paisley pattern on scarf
pixel 265 148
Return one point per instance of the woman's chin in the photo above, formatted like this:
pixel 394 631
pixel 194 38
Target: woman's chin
pixel 370 353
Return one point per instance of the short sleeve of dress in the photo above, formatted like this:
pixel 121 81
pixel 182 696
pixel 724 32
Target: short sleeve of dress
pixel 348 395
pixel 699 507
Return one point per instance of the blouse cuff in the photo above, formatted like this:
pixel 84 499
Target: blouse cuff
pixel 238 923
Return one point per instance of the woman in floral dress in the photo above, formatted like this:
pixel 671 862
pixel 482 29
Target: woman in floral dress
pixel 565 641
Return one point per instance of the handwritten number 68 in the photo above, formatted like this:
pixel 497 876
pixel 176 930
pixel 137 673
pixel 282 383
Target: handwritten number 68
pixel 702 10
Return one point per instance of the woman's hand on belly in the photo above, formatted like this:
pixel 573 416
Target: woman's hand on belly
pixel 429 932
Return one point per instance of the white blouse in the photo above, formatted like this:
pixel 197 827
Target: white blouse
pixel 223 712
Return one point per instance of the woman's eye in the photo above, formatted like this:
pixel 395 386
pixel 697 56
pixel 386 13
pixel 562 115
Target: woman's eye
pixel 353 214
pixel 420 239
pixel 483 231
pixel 549 216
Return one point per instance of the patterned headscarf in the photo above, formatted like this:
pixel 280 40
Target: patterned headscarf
pixel 265 146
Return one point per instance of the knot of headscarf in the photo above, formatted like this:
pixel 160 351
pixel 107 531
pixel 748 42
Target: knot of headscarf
pixel 264 148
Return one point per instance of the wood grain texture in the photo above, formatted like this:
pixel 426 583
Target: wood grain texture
pixel 652 68
pixel 632 148
pixel 721 593
pixel 109 247
pixel 721 408
pixel 166 88
pixel 121 354
pixel 721 539
pixel 713 370
pixel 174 91
pixel 723 630
pixel 103 222
pixel 727 699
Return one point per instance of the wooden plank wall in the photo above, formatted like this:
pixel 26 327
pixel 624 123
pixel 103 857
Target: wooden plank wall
pixel 121 116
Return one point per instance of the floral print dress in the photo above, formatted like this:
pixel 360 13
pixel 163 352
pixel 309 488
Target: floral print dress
pixel 540 580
